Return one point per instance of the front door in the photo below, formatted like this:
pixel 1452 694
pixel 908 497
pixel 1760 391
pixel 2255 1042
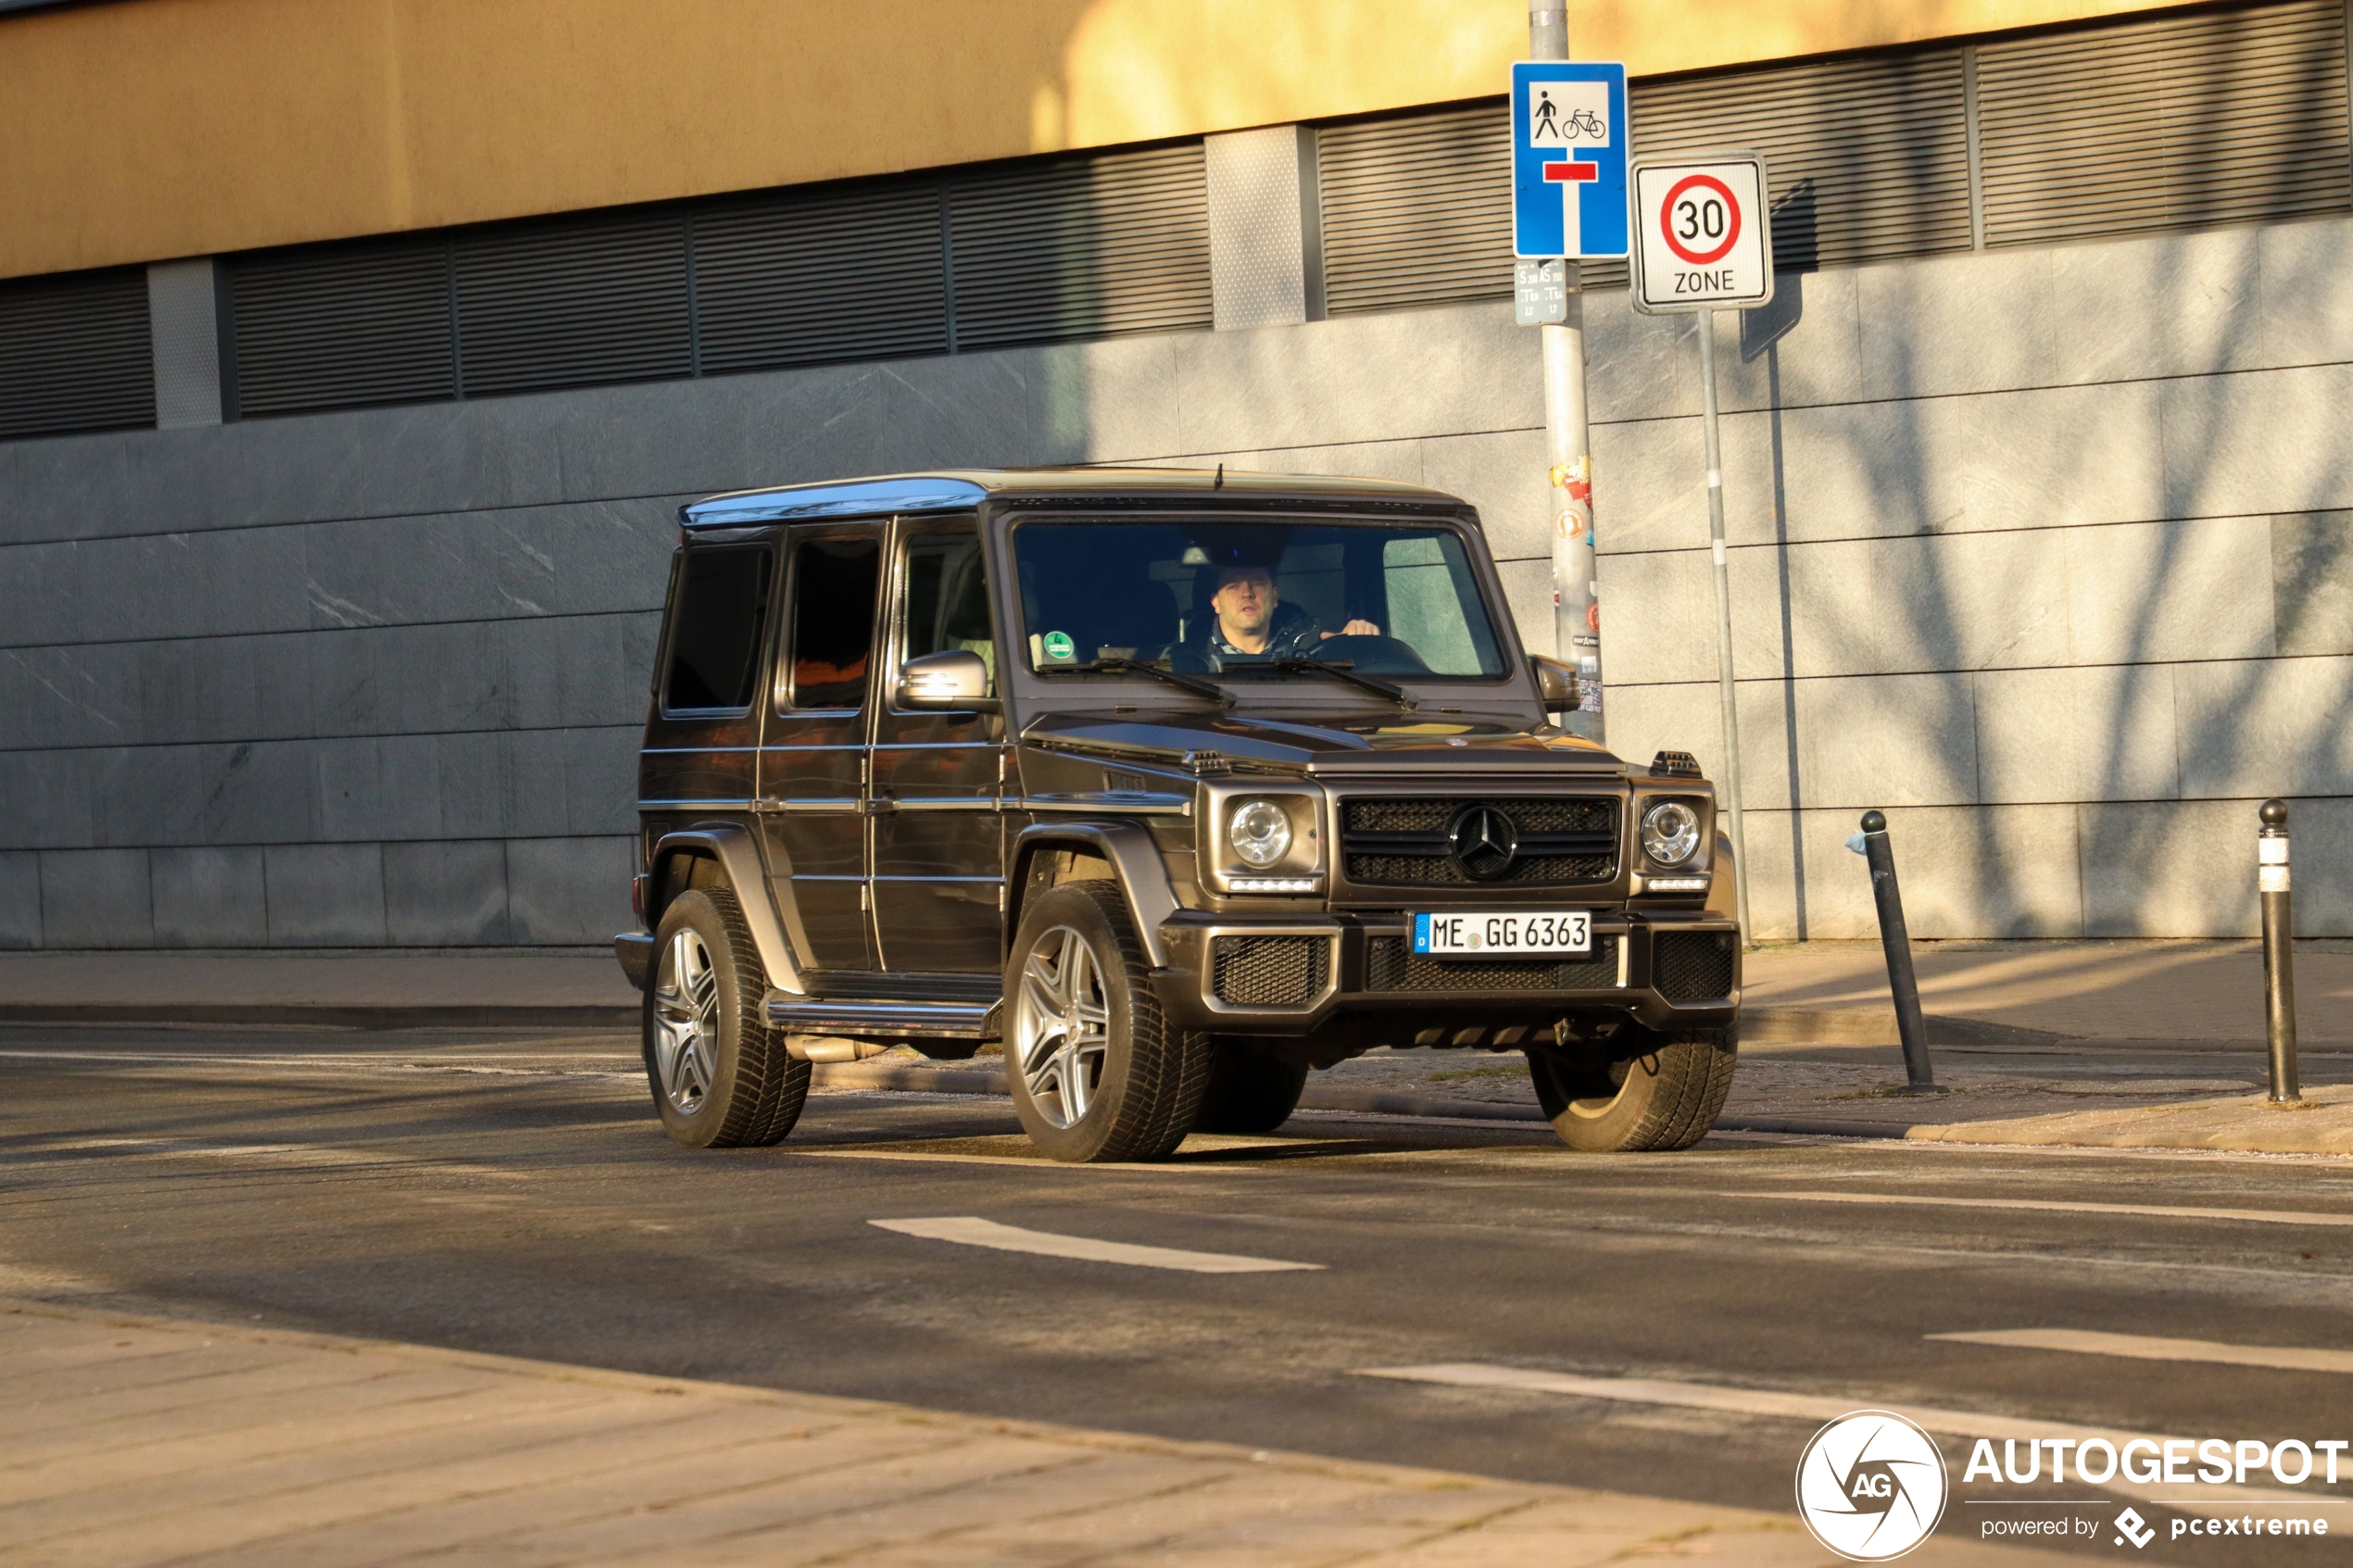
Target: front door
pixel 938 834
pixel 812 798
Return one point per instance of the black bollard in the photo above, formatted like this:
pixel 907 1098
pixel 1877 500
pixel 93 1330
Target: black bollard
pixel 2279 950
pixel 1897 940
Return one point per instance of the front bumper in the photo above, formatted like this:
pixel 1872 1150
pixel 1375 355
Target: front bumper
pixel 1353 978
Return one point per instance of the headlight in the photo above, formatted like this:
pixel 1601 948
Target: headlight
pixel 1259 832
pixel 1670 832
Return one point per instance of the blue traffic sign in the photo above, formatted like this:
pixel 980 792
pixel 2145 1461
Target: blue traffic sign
pixel 1569 144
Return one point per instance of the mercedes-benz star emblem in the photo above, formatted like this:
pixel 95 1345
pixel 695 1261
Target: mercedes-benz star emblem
pixel 1483 842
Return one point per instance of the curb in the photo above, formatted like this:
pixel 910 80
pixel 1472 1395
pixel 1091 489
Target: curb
pixel 486 1015
pixel 1765 1024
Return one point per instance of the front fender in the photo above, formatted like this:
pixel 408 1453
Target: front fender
pixel 1135 863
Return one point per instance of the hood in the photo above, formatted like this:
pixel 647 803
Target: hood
pixel 1374 745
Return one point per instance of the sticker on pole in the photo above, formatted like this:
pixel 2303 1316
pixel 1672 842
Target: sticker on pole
pixel 1703 236
pixel 1570 142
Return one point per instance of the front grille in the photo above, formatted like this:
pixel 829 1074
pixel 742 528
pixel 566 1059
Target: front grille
pixel 1390 842
pixel 1691 966
pixel 1269 972
pixel 1392 965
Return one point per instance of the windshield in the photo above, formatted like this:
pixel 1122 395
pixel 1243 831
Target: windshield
pixel 1227 595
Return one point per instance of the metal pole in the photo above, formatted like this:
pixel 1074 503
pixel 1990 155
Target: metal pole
pixel 2279 950
pixel 1568 447
pixel 1897 940
pixel 1723 614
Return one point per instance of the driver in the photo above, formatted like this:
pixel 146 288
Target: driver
pixel 1251 623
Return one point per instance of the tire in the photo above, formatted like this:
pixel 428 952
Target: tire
pixel 1663 1094
pixel 1097 1073
pixel 1250 1090
pixel 721 1078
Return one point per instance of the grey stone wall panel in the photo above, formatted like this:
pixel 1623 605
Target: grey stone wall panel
pixel 2312 581
pixel 2104 732
pixel 2304 293
pixel 2184 869
pixel 446 893
pixel 325 895
pixel 46 801
pixel 1504 474
pixel 2206 288
pixel 59 696
pixel 20 894
pixel 565 890
pixel 210 897
pixel 95 898
pixel 1802 350
pixel 2243 445
pixel 1359 378
pixel 1985 321
pixel 2255 728
pixel 600 779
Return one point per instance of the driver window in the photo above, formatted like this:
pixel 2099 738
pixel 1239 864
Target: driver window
pixel 948 599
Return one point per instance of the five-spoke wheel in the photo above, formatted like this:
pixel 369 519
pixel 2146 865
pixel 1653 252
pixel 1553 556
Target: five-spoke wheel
pixel 721 1078
pixel 1097 1073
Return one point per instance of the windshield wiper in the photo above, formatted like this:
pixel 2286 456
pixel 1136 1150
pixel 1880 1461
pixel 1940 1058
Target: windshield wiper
pixel 1343 670
pixel 1209 689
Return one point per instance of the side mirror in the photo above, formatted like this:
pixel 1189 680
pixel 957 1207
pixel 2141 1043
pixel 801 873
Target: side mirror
pixel 1556 684
pixel 951 679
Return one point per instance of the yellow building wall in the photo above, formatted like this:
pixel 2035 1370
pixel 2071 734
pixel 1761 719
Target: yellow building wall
pixel 143 130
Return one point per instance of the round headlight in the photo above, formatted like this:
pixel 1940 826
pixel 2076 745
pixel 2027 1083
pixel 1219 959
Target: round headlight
pixel 1260 832
pixel 1670 832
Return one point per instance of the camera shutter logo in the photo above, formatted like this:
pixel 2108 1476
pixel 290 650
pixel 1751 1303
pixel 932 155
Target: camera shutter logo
pixel 1871 1486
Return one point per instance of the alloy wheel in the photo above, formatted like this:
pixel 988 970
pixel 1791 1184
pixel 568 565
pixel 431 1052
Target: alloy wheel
pixel 686 1023
pixel 1061 1026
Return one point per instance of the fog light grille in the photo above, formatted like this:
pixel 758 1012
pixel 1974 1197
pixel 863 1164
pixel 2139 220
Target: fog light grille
pixel 1269 972
pixel 1693 966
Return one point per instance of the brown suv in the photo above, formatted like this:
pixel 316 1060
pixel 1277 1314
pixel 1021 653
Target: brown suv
pixel 1176 783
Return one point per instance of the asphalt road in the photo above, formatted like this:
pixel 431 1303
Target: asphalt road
pixel 510 1192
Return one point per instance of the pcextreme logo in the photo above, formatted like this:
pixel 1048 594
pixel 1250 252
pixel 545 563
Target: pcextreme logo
pixel 1870 1486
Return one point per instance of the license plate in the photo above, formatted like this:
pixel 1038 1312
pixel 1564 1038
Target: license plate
pixel 1518 935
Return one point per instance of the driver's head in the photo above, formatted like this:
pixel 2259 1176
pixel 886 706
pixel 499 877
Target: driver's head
pixel 1245 600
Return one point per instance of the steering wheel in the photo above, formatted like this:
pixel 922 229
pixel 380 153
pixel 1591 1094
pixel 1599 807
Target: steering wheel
pixel 1373 656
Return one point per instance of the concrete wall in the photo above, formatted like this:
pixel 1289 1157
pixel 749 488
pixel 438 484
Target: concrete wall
pixel 2047 553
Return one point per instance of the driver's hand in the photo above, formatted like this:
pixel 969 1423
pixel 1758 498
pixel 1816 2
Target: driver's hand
pixel 1354 629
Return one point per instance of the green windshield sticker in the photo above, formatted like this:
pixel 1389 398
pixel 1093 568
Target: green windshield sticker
pixel 1059 647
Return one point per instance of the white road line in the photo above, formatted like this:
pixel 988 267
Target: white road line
pixel 973 1232
pixel 2158 1210
pixel 1729 1400
pixel 1038 1164
pixel 296 1153
pixel 2144 1348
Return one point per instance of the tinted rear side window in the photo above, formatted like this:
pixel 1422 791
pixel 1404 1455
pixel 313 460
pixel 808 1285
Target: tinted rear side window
pixel 715 627
pixel 833 621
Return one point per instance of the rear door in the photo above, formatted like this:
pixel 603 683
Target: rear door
pixel 812 792
pixel 937 790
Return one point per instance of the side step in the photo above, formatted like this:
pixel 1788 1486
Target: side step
pixel 887 1020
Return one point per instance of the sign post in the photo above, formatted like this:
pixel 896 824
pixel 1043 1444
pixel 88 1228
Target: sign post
pixel 1704 243
pixel 1570 143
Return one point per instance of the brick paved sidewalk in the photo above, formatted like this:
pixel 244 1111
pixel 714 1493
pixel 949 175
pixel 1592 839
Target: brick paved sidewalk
pixel 140 1440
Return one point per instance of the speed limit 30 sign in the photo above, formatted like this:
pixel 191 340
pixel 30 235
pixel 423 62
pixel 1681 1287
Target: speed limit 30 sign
pixel 1703 239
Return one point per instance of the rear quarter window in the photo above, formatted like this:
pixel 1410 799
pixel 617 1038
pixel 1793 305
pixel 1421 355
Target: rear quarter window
pixel 715 625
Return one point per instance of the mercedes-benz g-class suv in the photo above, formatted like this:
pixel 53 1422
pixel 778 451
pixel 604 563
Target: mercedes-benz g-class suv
pixel 1178 784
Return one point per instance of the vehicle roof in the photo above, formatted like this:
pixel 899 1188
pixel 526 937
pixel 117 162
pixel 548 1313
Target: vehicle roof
pixel 962 489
